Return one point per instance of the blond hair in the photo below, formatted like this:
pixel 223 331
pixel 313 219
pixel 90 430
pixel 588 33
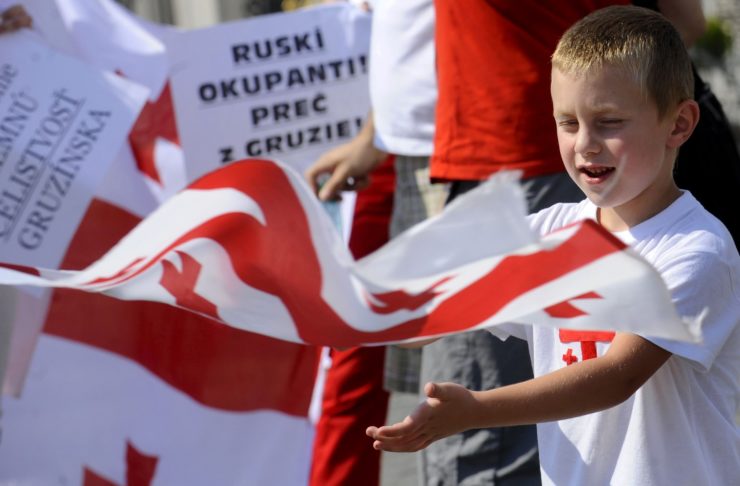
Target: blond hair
pixel 638 40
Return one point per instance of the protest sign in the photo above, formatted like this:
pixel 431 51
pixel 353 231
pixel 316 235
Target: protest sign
pixel 106 35
pixel 61 124
pixel 286 86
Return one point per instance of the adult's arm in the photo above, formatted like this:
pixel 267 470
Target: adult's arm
pixel 348 166
pixel 14 18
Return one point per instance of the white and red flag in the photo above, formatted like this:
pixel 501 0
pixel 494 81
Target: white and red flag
pixel 141 392
pixel 248 245
pixel 145 393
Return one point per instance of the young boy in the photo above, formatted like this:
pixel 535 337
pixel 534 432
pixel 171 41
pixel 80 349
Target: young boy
pixel 635 410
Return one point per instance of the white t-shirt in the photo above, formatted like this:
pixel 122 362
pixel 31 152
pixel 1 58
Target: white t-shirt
pixel 403 84
pixel 679 427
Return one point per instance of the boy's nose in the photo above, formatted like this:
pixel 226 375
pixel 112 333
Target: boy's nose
pixel 586 143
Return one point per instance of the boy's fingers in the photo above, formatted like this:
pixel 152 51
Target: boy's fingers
pixel 406 441
pixel 389 431
pixel 411 445
pixel 406 436
pixel 440 391
pixel 405 427
pixel 389 435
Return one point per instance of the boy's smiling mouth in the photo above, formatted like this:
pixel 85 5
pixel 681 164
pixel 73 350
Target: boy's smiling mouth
pixel 596 173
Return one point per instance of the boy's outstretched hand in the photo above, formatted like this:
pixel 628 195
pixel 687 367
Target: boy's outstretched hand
pixel 14 18
pixel 448 409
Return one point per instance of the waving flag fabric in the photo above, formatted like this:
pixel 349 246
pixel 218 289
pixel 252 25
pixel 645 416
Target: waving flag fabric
pixel 123 392
pixel 107 36
pixel 247 245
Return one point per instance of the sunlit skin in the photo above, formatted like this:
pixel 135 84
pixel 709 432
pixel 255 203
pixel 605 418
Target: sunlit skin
pixel 14 18
pixel 621 154
pixel 615 145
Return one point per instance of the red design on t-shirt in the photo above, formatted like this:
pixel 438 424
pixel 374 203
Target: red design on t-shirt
pixel 588 340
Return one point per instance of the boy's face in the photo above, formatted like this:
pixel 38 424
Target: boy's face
pixel 613 145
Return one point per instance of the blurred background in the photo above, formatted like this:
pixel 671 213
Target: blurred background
pixel 717 54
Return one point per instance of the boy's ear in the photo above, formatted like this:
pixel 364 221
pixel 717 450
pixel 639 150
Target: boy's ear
pixel 686 118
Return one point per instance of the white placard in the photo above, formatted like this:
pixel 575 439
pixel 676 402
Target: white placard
pixel 61 123
pixel 105 34
pixel 285 86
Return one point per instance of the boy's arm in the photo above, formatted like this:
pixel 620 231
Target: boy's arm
pixel 579 389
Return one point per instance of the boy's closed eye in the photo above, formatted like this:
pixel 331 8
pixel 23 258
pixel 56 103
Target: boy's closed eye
pixel 567 124
pixel 611 122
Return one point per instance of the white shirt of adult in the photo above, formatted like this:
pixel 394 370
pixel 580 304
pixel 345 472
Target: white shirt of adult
pixel 403 85
pixel 679 427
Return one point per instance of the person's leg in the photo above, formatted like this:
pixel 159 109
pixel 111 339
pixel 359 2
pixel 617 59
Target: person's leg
pixel 415 199
pixel 353 398
pixel 353 391
pixel 480 361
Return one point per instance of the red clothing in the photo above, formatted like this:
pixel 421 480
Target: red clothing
pixel 493 65
pixel 354 397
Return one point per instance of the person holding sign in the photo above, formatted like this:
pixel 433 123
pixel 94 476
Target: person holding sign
pixel 403 96
pixel 14 18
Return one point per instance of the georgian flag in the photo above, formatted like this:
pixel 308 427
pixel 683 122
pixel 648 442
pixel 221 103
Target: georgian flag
pixel 116 392
pixel 249 246
pixel 107 36
pixel 123 392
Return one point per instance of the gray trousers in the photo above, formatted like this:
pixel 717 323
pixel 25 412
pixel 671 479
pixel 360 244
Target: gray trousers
pixel 480 361
pixel 414 200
